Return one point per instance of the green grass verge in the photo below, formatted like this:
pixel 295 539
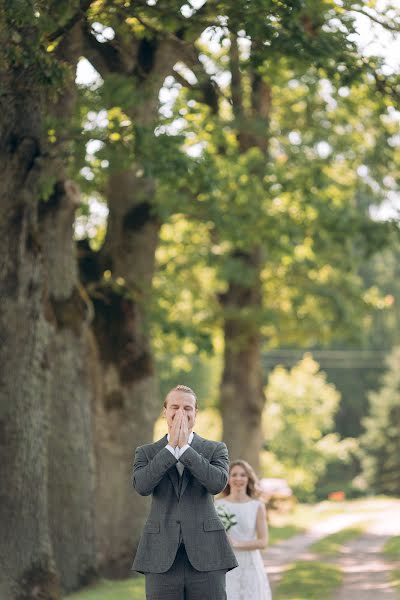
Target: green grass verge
pixel 332 544
pixel 392 548
pixel 127 589
pixel 395 579
pixel 308 580
pixel 278 534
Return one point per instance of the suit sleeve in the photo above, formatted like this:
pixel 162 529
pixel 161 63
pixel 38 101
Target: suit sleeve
pixel 213 473
pixel 147 473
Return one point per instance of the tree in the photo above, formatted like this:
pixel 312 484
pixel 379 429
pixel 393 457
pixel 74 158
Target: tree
pixel 297 425
pixel 381 442
pixel 118 275
pixel 44 318
pixel 287 204
pixel 71 454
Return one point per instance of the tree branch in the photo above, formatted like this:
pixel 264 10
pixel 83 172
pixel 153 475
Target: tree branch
pixel 105 58
pixel 84 5
pixel 394 28
pixel 236 81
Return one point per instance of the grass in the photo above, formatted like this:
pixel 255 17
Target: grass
pixel 331 545
pixel 278 534
pixel 395 579
pixel 306 580
pixel 392 548
pixel 392 551
pixel 127 589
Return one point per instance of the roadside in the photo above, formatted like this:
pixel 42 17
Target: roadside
pixel 360 560
pixel 365 568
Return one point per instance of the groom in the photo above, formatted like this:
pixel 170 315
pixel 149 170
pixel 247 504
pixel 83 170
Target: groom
pixel 184 551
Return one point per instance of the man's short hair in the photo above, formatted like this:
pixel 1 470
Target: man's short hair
pixel 181 388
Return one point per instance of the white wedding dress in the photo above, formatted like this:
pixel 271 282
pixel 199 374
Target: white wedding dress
pixel 249 580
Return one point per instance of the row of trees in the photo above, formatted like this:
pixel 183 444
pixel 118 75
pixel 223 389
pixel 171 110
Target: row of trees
pixel 279 139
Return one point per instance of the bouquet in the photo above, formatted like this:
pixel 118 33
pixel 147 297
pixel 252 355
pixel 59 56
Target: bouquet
pixel 228 520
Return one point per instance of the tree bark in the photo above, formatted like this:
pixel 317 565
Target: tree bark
pixel 71 454
pixel 128 406
pixel 241 394
pixel 126 410
pixel 26 557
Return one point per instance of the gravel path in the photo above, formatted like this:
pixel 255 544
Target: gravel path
pixel 366 571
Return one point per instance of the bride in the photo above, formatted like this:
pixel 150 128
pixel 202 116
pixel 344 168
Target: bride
pixel 245 519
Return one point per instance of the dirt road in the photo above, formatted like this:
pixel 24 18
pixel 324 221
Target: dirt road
pixel 365 569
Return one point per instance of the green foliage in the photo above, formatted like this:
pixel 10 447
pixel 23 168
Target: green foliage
pixel 228 519
pixel 306 209
pixel 184 309
pixel 380 444
pixel 382 326
pixel 343 466
pixel 25 29
pixel 297 421
pixel 308 581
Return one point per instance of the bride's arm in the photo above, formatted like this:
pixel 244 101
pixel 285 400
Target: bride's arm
pixel 261 541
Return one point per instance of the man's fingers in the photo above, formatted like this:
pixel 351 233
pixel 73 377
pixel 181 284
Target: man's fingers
pixel 178 417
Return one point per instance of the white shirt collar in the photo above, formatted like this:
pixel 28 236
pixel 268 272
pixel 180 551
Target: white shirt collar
pixel 190 437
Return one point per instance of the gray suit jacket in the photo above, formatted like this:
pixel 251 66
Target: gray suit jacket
pixel 187 513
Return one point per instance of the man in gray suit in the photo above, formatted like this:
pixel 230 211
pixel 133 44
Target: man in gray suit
pixel 184 551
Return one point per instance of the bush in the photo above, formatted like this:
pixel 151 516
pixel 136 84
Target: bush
pixel 380 445
pixel 296 422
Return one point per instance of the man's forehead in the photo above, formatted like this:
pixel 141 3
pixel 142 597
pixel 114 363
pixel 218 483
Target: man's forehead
pixel 180 396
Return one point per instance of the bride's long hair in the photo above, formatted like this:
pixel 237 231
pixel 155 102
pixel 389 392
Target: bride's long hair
pixel 253 487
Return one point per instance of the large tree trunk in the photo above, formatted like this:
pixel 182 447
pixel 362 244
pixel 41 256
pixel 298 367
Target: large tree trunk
pixel 71 453
pixel 119 278
pixel 26 558
pixel 242 396
pixel 128 406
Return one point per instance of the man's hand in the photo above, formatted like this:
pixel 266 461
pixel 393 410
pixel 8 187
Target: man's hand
pixel 184 431
pixel 176 427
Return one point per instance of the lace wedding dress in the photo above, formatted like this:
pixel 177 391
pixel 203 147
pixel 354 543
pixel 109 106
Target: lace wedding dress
pixel 249 579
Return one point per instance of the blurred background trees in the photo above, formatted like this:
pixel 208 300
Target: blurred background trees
pixel 205 200
pixel 380 442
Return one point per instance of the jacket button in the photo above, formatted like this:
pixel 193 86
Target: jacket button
pixel 178 522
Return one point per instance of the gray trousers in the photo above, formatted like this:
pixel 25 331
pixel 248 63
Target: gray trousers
pixel 183 582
